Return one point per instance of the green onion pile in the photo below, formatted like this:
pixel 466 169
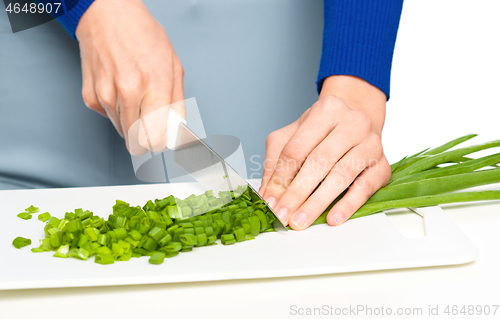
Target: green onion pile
pixel 160 229
pixel 166 227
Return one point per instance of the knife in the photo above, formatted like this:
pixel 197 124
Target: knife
pixel 203 164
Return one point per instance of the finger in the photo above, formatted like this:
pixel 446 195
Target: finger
pixel 274 144
pixel 106 95
pixel 339 178
pixel 132 141
pixel 308 136
pixel 88 91
pixel 367 183
pixel 316 167
pixel 154 115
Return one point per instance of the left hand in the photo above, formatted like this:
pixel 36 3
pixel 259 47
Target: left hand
pixel 334 145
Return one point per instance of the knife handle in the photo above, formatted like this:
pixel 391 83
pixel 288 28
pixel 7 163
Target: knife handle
pixel 173 122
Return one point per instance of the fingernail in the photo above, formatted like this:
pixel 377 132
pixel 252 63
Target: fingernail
pixel 336 219
pixel 271 202
pixel 299 219
pixel 282 214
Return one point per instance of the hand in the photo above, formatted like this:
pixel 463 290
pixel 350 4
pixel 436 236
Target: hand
pixel 129 69
pixel 334 145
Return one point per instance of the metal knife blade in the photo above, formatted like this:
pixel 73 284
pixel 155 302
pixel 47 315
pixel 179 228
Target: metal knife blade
pixel 208 168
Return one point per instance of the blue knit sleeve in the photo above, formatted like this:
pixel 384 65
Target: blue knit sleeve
pixel 358 39
pixel 73 11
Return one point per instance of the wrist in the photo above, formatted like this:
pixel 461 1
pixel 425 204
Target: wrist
pixel 105 12
pixel 359 94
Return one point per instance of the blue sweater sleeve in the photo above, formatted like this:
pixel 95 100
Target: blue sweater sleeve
pixel 74 9
pixel 358 39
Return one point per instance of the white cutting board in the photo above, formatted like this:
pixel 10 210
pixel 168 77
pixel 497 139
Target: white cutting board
pixel 369 243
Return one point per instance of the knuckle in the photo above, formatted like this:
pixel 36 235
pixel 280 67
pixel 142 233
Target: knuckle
pixel 89 99
pixel 293 150
pixel 124 89
pixel 329 104
pixel 376 146
pixel 385 169
pixel 331 100
pixel 362 119
pixel 106 95
pixel 359 119
pixel 179 70
pixel 271 138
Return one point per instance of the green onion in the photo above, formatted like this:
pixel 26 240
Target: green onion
pixel 62 251
pixel 165 240
pixel 157 258
pixel 44 217
pixel 20 242
pixel 228 239
pixel 188 239
pixel 436 185
pixel 104 259
pixel 424 201
pixel 172 247
pixel 421 180
pixel 149 244
pixel 156 233
pixel 201 240
pixel 32 210
pixel 24 216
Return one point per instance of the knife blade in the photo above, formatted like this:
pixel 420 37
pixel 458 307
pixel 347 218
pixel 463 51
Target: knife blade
pixel 200 161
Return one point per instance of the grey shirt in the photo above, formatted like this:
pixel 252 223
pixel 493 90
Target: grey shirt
pixel 250 64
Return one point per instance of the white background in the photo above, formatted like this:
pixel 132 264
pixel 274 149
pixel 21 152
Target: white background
pixel 446 75
pixel 445 84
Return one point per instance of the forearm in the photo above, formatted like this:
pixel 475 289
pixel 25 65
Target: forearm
pixel 360 94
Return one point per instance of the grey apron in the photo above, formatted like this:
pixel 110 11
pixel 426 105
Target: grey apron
pixel 251 64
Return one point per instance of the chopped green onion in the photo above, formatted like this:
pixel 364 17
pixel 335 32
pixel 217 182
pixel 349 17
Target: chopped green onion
pixel 44 217
pixel 188 239
pixel 24 216
pixel 172 247
pixel 20 242
pixel 32 210
pixel 62 251
pixel 157 258
pixel 104 259
pixel 228 239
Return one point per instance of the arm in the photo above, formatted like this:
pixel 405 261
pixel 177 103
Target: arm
pixel 129 68
pixel 336 144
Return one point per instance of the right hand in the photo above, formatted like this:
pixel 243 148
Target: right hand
pixel 130 69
